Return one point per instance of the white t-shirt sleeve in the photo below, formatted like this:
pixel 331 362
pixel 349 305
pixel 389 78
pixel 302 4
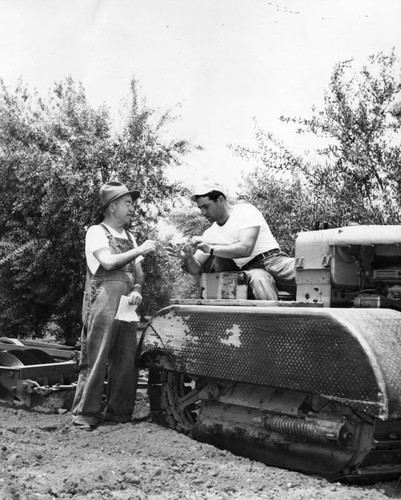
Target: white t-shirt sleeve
pixel 96 238
pixel 246 216
pixel 243 216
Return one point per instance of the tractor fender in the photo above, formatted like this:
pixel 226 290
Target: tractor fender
pixel 351 356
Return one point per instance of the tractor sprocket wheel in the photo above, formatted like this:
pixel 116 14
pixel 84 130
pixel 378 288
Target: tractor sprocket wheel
pixel 178 400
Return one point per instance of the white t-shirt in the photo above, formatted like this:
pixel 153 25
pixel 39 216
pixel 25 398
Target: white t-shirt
pixel 96 238
pixel 243 216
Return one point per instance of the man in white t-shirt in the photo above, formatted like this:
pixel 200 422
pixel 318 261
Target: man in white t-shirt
pixel 239 232
pixel 107 344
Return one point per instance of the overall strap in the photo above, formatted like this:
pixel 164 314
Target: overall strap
pixel 129 236
pixel 108 233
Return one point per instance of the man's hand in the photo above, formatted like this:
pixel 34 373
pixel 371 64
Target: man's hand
pixel 200 244
pixel 147 247
pixel 182 251
pixel 195 240
pixel 203 247
pixel 135 298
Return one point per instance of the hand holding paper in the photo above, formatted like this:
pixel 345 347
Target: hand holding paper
pixel 126 311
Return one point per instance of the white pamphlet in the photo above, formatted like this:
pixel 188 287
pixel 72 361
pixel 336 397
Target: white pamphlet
pixel 126 311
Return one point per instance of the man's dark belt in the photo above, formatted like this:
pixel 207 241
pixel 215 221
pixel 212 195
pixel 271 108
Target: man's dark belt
pixel 261 256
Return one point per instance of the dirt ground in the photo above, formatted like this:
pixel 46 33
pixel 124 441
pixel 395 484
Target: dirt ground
pixel 42 458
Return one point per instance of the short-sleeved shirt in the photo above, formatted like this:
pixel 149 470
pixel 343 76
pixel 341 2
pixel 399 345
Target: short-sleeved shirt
pixel 96 238
pixel 243 216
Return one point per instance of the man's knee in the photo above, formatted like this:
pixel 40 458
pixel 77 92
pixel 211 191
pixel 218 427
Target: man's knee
pixel 262 284
pixel 282 268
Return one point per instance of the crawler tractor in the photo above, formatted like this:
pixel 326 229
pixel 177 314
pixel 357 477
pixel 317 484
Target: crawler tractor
pixel 308 383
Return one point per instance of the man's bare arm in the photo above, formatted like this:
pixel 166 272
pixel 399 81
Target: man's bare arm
pixel 111 261
pixel 239 249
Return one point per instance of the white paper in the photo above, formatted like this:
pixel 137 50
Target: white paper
pixel 126 311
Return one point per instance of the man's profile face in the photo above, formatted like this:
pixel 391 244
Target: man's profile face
pixel 123 209
pixel 210 209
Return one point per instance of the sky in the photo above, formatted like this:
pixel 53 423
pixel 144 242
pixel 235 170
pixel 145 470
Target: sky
pixel 221 65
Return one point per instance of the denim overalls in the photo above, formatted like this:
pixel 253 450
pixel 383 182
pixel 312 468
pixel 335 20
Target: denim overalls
pixel 107 343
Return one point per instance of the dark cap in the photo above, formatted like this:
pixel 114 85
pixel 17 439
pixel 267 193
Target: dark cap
pixel 112 191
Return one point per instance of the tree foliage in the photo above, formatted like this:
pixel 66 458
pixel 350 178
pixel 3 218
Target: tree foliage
pixel 54 156
pixel 356 175
pixel 187 223
pixel 283 202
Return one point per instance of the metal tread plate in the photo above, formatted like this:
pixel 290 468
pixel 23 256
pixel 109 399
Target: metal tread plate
pixel 349 355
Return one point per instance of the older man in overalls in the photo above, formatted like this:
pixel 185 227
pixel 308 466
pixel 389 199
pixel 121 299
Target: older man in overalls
pixel 113 270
